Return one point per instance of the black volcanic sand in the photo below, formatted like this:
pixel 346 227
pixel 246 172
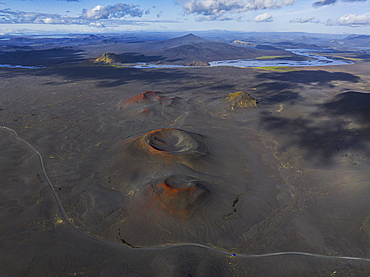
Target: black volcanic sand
pixel 291 174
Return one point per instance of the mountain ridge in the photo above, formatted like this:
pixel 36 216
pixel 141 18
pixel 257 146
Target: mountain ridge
pixel 190 49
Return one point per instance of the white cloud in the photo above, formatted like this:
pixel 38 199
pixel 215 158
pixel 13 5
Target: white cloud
pixel 118 10
pixel 331 2
pixel 309 19
pixel 351 20
pixel 8 16
pixel 91 17
pixel 95 13
pixel 216 8
pixel 50 20
pixel 265 17
pixel 213 18
pixel 323 3
pixel 97 24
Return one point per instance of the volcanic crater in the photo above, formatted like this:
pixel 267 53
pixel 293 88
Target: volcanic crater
pixel 161 152
pixel 175 142
pixel 180 194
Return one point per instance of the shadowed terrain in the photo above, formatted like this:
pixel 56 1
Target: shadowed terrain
pixel 41 57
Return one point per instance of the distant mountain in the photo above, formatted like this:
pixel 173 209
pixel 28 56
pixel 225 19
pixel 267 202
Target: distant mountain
pixel 357 37
pixel 207 51
pixel 296 45
pixel 158 47
pixel 358 40
pixel 187 39
pixel 188 50
pixel 352 40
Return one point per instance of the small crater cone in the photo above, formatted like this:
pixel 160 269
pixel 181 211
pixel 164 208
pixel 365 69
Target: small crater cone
pixel 107 58
pixel 173 141
pixel 179 195
pixel 240 100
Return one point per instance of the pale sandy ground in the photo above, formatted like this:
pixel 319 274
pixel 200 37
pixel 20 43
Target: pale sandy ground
pixel 291 175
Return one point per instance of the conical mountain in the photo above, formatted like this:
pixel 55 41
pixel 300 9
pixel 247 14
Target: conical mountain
pixel 174 42
pixel 187 39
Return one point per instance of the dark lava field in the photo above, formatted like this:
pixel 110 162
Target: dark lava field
pixel 193 171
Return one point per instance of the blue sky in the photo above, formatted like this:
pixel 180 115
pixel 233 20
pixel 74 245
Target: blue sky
pixel 97 16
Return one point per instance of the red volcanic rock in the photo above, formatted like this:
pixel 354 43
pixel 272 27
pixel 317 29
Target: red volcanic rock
pixel 152 106
pixel 180 195
pixel 142 97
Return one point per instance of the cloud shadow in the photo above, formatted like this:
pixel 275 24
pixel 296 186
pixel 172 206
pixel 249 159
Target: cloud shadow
pixel 337 127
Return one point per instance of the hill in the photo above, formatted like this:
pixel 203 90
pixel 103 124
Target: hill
pixel 184 40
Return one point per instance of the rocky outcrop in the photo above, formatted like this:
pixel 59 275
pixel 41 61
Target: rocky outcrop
pixel 107 58
pixel 240 100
